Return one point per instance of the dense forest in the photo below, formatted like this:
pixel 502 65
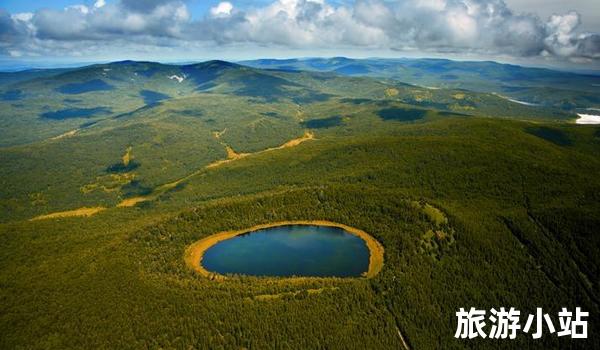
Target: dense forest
pixel 472 211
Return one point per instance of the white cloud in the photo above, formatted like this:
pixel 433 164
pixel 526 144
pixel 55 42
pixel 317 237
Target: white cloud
pixel 484 27
pixel 99 3
pixel 223 9
pixel 462 25
pixel 561 40
pixel 23 16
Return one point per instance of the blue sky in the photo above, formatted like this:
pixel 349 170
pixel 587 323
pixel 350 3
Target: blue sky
pixel 533 32
pixel 197 7
pixel 16 6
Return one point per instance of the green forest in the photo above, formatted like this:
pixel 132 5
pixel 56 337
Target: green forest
pixel 513 189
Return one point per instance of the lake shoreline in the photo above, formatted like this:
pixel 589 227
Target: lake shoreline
pixel 195 252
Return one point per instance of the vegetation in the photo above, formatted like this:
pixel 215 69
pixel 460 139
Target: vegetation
pixel 536 86
pixel 471 210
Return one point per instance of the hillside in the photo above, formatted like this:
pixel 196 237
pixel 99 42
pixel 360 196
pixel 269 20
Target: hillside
pixel 110 171
pixel 537 86
pixel 52 103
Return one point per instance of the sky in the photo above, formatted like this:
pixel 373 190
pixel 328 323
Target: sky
pixel 530 32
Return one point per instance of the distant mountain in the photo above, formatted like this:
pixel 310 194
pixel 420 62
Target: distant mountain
pixel 41 104
pixel 533 85
pixel 23 75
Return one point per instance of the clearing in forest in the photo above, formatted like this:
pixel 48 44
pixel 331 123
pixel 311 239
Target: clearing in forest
pixel 85 211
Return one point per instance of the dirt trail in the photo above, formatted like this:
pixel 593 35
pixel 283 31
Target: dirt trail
pixel 406 347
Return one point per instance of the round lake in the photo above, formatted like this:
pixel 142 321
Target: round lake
pixel 290 250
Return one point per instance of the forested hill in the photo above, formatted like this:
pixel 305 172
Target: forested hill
pixel 41 104
pixel 536 86
pixel 110 172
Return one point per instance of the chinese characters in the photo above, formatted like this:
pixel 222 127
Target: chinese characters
pixel 504 324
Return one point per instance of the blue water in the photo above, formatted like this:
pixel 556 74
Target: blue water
pixel 291 250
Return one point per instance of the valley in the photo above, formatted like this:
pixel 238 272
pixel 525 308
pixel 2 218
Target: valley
pixel 473 193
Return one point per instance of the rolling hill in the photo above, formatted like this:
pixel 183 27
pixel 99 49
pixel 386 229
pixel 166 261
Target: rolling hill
pixel 110 171
pixel 537 86
pixel 50 103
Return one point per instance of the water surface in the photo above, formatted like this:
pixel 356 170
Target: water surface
pixel 291 250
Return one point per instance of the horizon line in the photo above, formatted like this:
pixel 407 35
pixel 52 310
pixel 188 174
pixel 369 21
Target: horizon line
pixel 17 66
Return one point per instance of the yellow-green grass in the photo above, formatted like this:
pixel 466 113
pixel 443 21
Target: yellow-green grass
pixel 127 157
pixel 310 291
pixel 85 211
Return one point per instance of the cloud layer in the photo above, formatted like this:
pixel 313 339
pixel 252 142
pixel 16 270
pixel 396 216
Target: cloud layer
pixel 482 27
